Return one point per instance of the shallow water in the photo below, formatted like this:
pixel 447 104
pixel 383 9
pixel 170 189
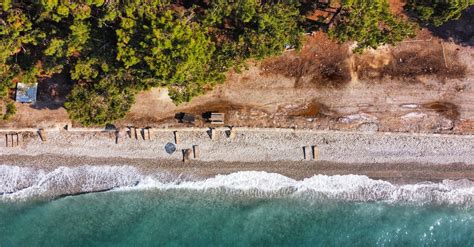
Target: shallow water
pixel 182 217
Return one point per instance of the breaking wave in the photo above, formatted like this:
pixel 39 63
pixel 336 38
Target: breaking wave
pixel 21 183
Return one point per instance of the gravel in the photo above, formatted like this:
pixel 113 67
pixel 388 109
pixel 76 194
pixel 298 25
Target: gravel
pixel 258 145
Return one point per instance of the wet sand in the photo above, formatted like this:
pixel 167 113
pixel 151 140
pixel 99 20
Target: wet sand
pixel 398 173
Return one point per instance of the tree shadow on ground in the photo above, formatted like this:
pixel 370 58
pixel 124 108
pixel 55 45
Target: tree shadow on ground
pixel 460 31
pixel 53 92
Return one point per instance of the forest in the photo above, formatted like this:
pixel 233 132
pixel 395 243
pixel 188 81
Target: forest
pixel 111 50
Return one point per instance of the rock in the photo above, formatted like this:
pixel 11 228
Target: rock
pixel 368 127
pixel 362 117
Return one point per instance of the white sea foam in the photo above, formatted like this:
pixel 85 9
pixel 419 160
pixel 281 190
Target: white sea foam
pixel 22 183
pixel 17 183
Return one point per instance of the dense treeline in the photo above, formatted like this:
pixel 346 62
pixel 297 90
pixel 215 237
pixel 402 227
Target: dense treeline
pixel 113 49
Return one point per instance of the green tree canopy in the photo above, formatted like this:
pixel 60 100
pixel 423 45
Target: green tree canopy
pixel 101 102
pixel 438 12
pixel 164 48
pixel 245 29
pixel 370 23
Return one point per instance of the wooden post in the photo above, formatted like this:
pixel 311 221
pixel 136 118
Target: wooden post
pixel 213 134
pixel 15 140
pixel 177 140
pixel 118 137
pixel 186 154
pixel 151 133
pixel 315 152
pixel 42 135
pixel 6 140
pixel 20 139
pixel 197 152
pixel 146 134
pixel 135 134
pixel 306 153
pixel 232 133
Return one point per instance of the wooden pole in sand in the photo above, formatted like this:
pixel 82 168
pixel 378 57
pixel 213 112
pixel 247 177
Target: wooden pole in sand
pixel 176 137
pixel 213 134
pixel 315 152
pixel 150 133
pixel 15 140
pixel 197 152
pixel 118 136
pixel 232 133
pixel 306 152
pixel 135 133
pixel 20 139
pixel 42 135
pixel 186 154
pixel 146 134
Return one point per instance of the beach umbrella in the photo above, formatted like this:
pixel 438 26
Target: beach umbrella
pixel 170 148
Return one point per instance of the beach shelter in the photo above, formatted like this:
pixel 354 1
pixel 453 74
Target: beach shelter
pixel 26 93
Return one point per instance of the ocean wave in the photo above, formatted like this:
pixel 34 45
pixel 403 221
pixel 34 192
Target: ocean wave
pixel 23 183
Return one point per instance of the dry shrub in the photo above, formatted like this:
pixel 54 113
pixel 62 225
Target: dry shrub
pixel 321 62
pixel 410 65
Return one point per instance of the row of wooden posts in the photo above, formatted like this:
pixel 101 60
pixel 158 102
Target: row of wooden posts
pixel 13 140
pixel 231 134
pixel 16 139
pixel 147 134
pixel 309 152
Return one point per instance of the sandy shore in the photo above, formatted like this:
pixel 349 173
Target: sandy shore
pixel 401 158
pixel 399 173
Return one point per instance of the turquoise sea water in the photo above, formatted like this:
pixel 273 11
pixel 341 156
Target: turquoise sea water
pixel 192 218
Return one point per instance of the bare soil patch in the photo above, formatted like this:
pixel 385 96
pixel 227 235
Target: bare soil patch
pixel 397 6
pixel 411 63
pixel 321 62
pixel 311 110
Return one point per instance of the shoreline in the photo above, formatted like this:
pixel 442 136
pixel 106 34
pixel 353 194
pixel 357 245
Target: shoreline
pixel 69 163
pixel 396 173
pixel 392 183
